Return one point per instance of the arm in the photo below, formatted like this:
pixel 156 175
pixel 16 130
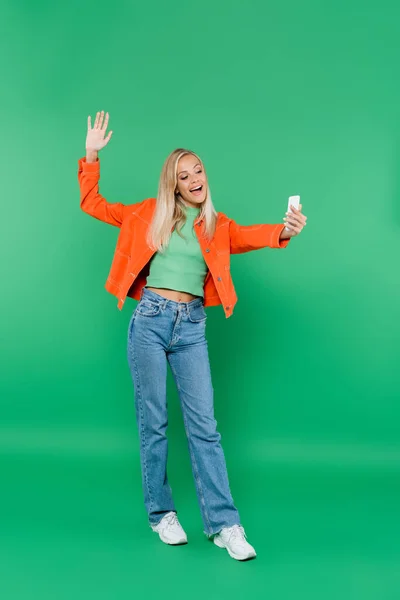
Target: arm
pixel 244 238
pixel 92 202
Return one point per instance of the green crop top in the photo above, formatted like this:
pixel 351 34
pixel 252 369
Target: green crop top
pixel 182 266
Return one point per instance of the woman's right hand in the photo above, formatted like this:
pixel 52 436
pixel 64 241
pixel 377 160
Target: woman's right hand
pixel 95 139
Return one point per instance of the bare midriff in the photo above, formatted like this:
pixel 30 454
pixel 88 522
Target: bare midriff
pixel 173 294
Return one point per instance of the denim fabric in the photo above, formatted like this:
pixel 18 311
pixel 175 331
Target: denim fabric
pixel 163 331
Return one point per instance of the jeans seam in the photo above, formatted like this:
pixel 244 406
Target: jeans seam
pixel 195 468
pixel 142 431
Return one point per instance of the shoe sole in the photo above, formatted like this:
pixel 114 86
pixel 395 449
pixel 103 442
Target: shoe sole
pixel 218 542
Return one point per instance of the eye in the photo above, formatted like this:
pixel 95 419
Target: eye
pixel 185 177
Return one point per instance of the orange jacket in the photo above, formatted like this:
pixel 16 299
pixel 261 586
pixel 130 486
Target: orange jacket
pixel 130 265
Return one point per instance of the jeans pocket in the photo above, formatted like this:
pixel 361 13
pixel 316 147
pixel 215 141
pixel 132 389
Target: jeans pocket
pixel 197 314
pixel 146 308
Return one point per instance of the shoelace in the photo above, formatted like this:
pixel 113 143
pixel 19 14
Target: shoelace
pixel 171 519
pixel 236 531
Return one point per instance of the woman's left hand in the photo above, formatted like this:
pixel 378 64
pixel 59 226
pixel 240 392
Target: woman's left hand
pixel 294 221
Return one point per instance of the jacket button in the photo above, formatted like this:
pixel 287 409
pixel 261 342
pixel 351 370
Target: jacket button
pixel 219 279
pixel 227 307
pixel 207 249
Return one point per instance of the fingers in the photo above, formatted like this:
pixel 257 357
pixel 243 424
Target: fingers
pixel 295 225
pixel 295 222
pixel 294 219
pixel 99 119
pixel 297 215
pixel 98 123
pixel 291 221
pixel 105 122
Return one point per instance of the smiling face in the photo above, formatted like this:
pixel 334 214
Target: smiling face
pixel 191 181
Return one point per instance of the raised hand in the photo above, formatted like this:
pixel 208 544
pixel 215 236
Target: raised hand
pixel 95 139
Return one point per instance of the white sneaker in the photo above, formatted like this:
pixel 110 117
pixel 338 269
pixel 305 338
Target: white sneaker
pixel 233 539
pixel 170 530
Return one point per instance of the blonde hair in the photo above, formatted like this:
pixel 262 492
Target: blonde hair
pixel 170 210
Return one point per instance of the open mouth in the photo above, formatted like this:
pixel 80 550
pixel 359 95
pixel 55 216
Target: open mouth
pixel 197 190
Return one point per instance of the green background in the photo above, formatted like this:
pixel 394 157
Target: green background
pixel 278 99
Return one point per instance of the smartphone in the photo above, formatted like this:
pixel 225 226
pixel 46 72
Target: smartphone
pixel 294 201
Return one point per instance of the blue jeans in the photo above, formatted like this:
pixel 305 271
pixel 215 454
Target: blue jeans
pixel 161 331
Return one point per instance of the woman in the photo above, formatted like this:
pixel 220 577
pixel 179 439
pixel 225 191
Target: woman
pixel 173 255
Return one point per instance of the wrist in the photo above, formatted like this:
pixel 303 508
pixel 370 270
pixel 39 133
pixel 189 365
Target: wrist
pixel 284 235
pixel 91 155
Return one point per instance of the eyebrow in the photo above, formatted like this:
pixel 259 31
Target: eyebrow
pixel 197 165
